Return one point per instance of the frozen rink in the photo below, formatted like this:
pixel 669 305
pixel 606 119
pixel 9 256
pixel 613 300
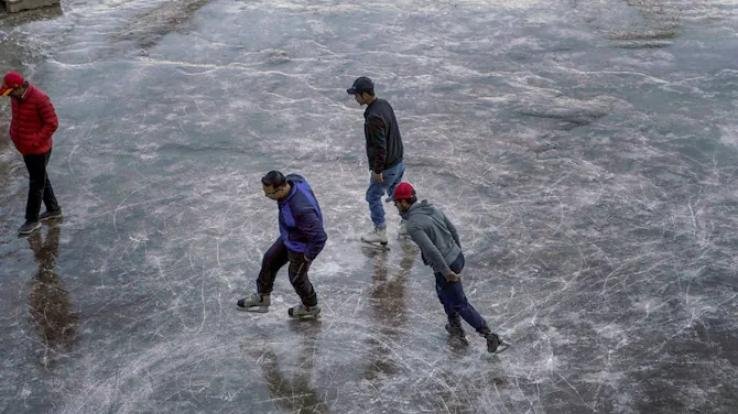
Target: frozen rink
pixel 586 150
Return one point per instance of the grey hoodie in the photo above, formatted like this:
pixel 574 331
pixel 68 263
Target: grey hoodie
pixel 434 234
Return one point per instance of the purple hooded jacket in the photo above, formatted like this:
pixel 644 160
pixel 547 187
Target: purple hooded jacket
pixel 300 219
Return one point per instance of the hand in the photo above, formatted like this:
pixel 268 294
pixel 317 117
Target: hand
pixel 377 177
pixel 452 277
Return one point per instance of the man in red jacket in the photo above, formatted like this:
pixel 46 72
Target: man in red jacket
pixel 31 127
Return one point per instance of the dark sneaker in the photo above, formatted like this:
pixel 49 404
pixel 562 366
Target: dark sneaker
pixel 28 228
pixel 457 331
pixel 495 344
pixel 453 327
pixel 456 335
pixel 49 215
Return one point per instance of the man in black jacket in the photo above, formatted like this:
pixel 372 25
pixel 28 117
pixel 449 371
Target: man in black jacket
pixel 384 152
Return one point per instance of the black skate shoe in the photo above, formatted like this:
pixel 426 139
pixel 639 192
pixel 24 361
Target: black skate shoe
pixel 495 344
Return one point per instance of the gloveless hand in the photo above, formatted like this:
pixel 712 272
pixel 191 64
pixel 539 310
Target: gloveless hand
pixel 452 277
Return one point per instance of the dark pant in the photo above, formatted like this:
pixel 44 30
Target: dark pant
pixel 276 257
pixel 39 186
pixel 454 301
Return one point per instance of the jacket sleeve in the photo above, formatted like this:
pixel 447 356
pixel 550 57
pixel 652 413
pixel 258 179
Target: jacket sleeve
pixel 309 224
pixel 48 117
pixel 453 231
pixel 428 249
pixel 377 142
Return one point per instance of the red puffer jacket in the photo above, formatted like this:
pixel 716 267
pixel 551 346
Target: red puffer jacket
pixel 33 122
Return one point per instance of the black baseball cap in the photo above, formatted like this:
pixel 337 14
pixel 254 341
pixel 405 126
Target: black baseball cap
pixel 361 84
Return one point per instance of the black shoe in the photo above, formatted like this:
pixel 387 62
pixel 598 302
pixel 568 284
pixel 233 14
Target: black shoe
pixel 456 335
pixel 493 342
pixel 50 214
pixel 453 327
pixel 29 227
pixel 455 331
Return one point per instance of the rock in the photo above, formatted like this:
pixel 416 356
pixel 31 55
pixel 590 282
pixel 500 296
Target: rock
pixel 13 6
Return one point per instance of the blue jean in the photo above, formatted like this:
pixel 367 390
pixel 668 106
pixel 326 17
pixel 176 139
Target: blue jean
pixel 390 178
pixel 454 300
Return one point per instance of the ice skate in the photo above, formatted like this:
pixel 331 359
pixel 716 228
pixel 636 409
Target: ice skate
pixel 255 302
pixel 376 237
pixel 375 247
pixel 301 311
pixel 455 331
pixel 495 344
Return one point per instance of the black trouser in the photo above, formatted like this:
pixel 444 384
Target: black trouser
pixel 39 186
pixel 276 257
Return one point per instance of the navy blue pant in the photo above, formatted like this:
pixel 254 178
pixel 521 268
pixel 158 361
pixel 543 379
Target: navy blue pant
pixel 277 256
pixel 454 300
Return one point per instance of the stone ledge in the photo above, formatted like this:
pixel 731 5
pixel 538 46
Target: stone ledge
pixel 12 6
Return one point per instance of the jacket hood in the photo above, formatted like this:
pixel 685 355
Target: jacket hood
pixel 420 208
pixel 294 180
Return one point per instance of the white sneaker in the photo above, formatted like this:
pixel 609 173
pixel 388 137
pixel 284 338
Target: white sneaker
pixel 375 236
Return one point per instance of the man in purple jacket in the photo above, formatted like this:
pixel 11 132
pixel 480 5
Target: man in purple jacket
pixel 301 238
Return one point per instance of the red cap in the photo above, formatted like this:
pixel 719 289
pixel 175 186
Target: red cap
pixel 11 81
pixel 403 191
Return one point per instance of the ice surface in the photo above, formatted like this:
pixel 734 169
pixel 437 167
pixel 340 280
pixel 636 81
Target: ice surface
pixel 586 151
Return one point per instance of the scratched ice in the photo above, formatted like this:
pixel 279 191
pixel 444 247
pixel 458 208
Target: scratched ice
pixel 587 151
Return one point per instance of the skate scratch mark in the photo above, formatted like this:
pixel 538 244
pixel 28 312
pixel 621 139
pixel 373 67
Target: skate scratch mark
pixel 573 388
pixel 217 252
pixel 693 218
pixel 606 370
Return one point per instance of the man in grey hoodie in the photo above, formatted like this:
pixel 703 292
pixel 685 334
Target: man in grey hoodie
pixel 441 249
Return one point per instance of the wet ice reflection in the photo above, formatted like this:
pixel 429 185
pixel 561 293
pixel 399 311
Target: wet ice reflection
pixel 49 303
pixel 586 151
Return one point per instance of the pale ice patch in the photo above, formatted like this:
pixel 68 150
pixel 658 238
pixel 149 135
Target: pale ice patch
pixel 729 134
